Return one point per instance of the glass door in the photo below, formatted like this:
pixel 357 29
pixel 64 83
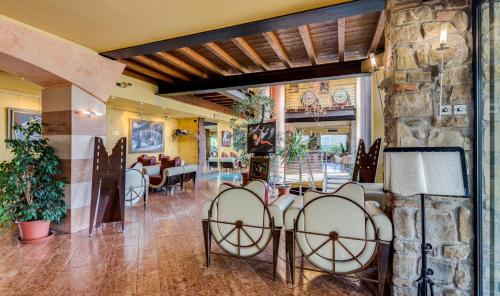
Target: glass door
pixel 488 145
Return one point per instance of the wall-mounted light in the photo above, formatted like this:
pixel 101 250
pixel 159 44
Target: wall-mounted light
pixel 123 84
pixel 443 36
pixel 373 62
pixel 91 113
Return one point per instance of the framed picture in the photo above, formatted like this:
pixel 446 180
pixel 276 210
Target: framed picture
pixel 324 87
pixel 259 168
pixel 226 139
pixel 20 117
pixel 146 136
pixel 293 88
pixel 261 138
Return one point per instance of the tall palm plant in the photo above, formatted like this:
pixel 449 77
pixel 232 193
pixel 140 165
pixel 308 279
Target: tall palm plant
pixel 294 148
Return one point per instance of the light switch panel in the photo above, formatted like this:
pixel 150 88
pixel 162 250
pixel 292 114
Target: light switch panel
pixel 459 109
pixel 445 110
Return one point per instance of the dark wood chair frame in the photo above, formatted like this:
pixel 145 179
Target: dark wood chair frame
pixel 365 166
pixel 239 227
pixel 170 181
pixel 382 249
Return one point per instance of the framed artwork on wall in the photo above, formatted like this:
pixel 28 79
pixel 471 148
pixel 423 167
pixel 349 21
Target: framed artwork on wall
pixel 226 139
pixel 259 168
pixel 146 136
pixel 324 87
pixel 20 117
pixel 261 138
pixel 293 88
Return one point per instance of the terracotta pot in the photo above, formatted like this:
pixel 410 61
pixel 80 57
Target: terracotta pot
pixel 246 178
pixel 33 230
pixel 283 191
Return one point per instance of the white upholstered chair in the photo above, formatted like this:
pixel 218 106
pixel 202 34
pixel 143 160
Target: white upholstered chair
pixel 339 233
pixel 136 185
pixel 241 223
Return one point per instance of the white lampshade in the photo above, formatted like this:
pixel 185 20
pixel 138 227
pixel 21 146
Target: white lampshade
pixel 425 170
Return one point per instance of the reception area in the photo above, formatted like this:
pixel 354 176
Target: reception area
pixel 246 148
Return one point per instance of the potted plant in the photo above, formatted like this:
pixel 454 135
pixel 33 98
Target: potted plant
pixel 31 190
pixel 293 149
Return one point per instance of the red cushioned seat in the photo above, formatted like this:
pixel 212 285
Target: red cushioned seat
pixel 155 179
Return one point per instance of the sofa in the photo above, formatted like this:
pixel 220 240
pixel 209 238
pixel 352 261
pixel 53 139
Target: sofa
pixel 170 173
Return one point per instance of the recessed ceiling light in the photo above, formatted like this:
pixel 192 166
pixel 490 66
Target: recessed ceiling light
pixel 142 103
pixel 163 108
pixel 22 78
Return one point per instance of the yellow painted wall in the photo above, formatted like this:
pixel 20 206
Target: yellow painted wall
pixel 18 100
pixel 188 145
pixel 292 98
pixel 224 126
pixel 118 125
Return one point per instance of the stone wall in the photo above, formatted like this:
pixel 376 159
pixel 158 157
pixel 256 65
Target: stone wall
pixel 411 116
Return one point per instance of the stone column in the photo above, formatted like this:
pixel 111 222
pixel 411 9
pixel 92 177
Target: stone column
pixel 72 134
pixel 411 117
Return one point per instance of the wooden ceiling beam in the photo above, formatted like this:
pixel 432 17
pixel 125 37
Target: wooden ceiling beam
pixel 278 48
pixel 202 60
pixel 161 67
pixel 378 32
pixel 223 55
pixel 192 100
pixel 181 64
pixel 248 50
pixel 308 44
pixel 341 38
pixel 323 14
pixel 265 78
pixel 145 71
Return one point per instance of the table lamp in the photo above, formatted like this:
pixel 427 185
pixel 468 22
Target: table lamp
pixel 423 171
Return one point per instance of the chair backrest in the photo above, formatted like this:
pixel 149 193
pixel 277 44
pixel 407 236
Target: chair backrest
pixel 146 160
pixel 335 228
pixel 365 168
pixel 162 156
pixel 240 221
pixel 259 187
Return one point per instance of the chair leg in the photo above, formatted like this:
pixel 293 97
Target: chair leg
pixel 383 263
pixel 276 245
pixel 207 237
pixel 290 251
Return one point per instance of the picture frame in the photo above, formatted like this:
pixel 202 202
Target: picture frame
pixel 20 116
pixel 259 168
pixel 146 136
pixel 226 139
pixel 324 87
pixel 261 138
pixel 293 88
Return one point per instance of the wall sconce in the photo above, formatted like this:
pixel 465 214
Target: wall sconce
pixel 442 46
pixel 123 84
pixel 91 113
pixel 373 62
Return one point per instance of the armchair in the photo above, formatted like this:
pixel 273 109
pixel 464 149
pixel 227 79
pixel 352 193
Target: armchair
pixel 136 185
pixel 146 160
pixel 240 222
pixel 339 233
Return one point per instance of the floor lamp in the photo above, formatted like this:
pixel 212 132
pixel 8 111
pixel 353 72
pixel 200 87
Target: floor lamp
pixel 423 171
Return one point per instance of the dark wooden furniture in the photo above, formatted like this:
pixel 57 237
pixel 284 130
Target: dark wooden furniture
pixel 365 167
pixel 108 184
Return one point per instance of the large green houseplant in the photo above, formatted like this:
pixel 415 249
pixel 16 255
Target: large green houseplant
pixel 31 190
pixel 294 148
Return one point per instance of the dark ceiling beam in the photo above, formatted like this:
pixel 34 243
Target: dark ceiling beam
pixel 223 55
pixel 378 32
pixel 192 100
pixel 328 13
pixel 309 73
pixel 181 64
pixel 234 94
pixel 341 38
pixel 276 44
pixel 308 44
pixel 198 58
pixel 248 50
pixel 145 71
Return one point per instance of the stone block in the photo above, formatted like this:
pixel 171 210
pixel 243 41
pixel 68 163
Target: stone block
pixel 459 18
pixel 439 137
pixel 454 121
pixel 405 266
pixel 404 223
pixel 463 276
pixel 408 16
pixel 455 292
pixel 455 55
pixel 461 94
pixel 409 33
pixel 432 30
pixel 440 226
pixel 456 252
pixel 465 224
pixel 443 270
pixel 405 58
pixel 411 104
pixel 419 76
pixel 457 76
pixel 422 54
pixel 407 247
pixel 412 133
pixel 399 291
pixel 405 87
pixel 399 76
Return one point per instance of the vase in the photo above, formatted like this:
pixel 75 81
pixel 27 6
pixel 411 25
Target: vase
pixel 33 230
pixel 283 191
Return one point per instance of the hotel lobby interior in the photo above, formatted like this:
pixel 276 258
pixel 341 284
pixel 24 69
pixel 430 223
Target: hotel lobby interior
pixel 328 147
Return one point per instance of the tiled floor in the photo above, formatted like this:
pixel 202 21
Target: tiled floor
pixel 160 253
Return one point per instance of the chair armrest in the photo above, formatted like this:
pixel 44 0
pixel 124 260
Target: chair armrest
pixel 278 207
pixel 382 222
pixel 292 212
pixel 205 208
pixel 151 170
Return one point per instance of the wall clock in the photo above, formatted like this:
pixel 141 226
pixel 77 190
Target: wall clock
pixel 340 97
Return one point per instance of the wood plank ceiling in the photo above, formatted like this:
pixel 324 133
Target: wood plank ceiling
pixel 351 38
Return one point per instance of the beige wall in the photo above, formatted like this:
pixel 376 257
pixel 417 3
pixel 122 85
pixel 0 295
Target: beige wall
pixel 188 145
pixel 118 126
pixel 224 126
pixel 18 100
